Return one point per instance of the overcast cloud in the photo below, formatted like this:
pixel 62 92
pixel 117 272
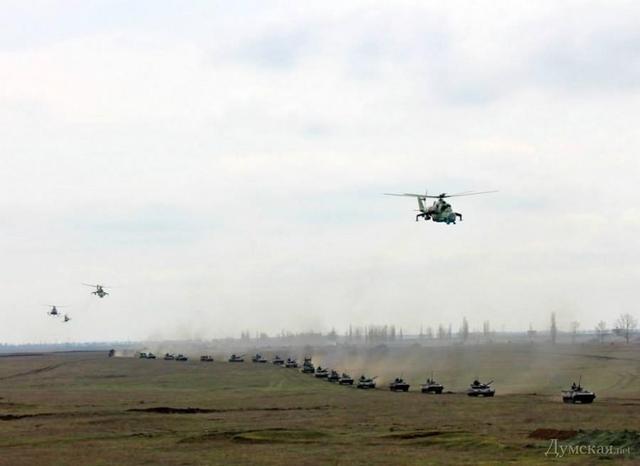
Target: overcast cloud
pixel 220 164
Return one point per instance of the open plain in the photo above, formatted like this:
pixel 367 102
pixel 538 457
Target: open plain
pixel 85 408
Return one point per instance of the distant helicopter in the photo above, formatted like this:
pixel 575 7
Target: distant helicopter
pixel 440 211
pixel 54 310
pixel 66 318
pixel 99 290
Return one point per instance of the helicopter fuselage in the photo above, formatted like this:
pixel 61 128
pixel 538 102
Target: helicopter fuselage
pixel 440 211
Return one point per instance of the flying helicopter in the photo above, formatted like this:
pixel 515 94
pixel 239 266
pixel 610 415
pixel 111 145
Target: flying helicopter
pixel 440 211
pixel 66 318
pixel 54 310
pixel 99 290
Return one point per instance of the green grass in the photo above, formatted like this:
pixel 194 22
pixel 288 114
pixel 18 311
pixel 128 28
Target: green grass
pixel 91 410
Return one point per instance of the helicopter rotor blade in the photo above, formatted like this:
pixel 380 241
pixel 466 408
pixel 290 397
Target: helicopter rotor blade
pixel 407 195
pixel 467 193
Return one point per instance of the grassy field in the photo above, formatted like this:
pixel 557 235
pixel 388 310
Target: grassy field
pixel 87 409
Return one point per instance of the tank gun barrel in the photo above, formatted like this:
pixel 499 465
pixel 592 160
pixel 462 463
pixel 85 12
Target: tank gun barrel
pixel 490 382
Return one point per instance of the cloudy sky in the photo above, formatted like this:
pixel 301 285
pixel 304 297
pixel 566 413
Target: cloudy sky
pixel 221 164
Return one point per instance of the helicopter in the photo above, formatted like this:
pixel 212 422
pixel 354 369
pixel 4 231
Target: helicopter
pixel 54 310
pixel 66 318
pixel 440 211
pixel 99 290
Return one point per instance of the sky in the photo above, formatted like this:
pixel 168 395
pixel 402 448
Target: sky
pixel 220 165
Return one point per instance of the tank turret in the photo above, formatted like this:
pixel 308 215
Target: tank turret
pixel 578 394
pixel 478 388
pixel 291 363
pixel 431 386
pixel 399 385
pixel 333 376
pixel 365 382
pixel 258 358
pixel 307 366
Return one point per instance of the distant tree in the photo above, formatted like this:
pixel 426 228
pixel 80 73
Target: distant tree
pixel 625 326
pixel 421 334
pixel 450 332
pixel 464 330
pixel 601 330
pixel 400 335
pixel 553 330
pixel 486 330
pixel 574 330
pixel 441 332
pixel 429 333
pixel 332 335
pixel 531 333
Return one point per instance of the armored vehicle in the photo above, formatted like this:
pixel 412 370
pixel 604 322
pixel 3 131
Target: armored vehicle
pixel 578 394
pixel 112 353
pixel 399 385
pixel 345 379
pixel 321 373
pixel 235 358
pixel 307 366
pixel 258 359
pixel 481 389
pixel 291 363
pixel 206 358
pixel 143 355
pixel 366 382
pixel 431 386
pixel 151 356
pixel 333 376
pixel 169 357
pixel 278 361
pixel 181 357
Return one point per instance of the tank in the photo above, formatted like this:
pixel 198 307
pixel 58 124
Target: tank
pixel 345 379
pixel 112 353
pixel 333 376
pixel 321 373
pixel 235 358
pixel 307 366
pixel 169 357
pixel 578 394
pixel 399 385
pixel 431 386
pixel 181 357
pixel 206 358
pixel 151 356
pixel 366 382
pixel 258 359
pixel 278 361
pixel 481 389
pixel 291 363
